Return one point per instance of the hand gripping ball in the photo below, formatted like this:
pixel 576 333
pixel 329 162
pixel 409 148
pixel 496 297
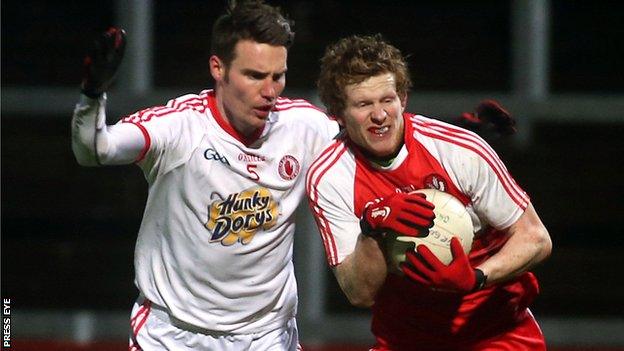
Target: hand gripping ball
pixel 452 219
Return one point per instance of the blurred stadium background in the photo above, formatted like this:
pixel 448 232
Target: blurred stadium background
pixel 68 232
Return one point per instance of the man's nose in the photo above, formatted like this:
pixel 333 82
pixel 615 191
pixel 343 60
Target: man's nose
pixel 378 114
pixel 268 90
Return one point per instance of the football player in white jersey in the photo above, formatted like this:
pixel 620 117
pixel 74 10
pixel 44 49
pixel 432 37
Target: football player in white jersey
pixel 362 185
pixel 226 171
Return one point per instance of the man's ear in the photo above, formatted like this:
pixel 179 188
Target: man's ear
pixel 404 101
pixel 217 68
pixel 340 121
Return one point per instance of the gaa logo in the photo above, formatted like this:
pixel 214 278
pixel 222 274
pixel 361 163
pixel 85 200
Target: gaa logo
pixel 212 155
pixel 288 167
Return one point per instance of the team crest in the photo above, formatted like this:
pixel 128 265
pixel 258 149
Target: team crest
pixel 238 217
pixel 435 181
pixel 288 167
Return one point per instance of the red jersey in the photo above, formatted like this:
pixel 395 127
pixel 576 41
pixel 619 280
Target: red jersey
pixel 437 155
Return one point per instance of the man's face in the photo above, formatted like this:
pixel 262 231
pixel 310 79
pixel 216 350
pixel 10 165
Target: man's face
pixel 373 115
pixel 248 88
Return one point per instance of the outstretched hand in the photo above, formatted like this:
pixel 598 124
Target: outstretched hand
pixel 102 61
pixel 425 268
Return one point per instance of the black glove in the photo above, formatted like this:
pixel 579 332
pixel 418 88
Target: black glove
pixel 489 113
pixel 102 61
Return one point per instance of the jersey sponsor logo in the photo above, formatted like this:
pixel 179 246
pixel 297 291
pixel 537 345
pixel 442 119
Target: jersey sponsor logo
pixel 238 217
pixel 435 181
pixel 251 158
pixel 212 154
pixel 288 167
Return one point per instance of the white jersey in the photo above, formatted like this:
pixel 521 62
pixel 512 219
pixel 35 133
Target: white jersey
pixel 215 244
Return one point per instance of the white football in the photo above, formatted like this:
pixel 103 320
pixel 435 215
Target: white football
pixel 452 219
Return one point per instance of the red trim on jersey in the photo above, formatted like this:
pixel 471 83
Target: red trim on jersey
pixel 137 322
pixel 468 141
pixel 320 159
pixel 160 111
pixel 139 319
pixel 148 142
pixel 284 104
pixel 193 102
pixel 326 160
pixel 227 127
pixel 506 179
pixel 467 135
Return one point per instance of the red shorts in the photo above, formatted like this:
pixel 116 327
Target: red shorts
pixel 524 336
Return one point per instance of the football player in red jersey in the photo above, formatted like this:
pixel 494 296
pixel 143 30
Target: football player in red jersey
pixel 359 187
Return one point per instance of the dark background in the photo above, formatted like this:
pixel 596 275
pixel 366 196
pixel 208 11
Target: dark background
pixel 68 232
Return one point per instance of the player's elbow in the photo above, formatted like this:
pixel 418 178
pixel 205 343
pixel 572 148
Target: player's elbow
pixel 359 292
pixel 543 242
pixel 362 300
pixel 84 156
pixel 538 243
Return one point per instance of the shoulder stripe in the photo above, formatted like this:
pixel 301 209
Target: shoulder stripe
pixel 193 102
pixel 323 163
pixel 286 100
pixel 284 104
pixel 197 103
pixel 466 139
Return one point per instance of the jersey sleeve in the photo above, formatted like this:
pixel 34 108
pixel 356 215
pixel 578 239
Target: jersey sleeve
pixel 476 169
pixel 328 129
pixel 331 201
pixel 168 133
pixel 495 196
pixel 95 143
pixel 318 128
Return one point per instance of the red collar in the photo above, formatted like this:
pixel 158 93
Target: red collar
pixel 227 127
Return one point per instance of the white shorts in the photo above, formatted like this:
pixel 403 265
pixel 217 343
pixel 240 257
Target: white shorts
pixel 151 328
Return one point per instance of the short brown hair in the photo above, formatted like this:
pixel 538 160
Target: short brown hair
pixel 249 20
pixel 354 59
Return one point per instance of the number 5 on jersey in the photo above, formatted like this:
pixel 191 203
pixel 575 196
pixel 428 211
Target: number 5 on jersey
pixel 252 172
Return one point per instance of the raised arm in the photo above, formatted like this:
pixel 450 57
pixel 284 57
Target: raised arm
pixel 93 142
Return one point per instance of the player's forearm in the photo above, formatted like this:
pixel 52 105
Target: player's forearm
pixel 362 273
pixel 529 244
pixel 88 115
pixel 94 143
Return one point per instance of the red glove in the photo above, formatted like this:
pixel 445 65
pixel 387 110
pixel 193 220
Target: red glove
pixel 101 63
pixel 408 214
pixel 459 276
pixel 489 112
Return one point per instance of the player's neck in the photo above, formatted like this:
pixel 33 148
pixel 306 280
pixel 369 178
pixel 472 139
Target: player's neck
pixel 384 161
